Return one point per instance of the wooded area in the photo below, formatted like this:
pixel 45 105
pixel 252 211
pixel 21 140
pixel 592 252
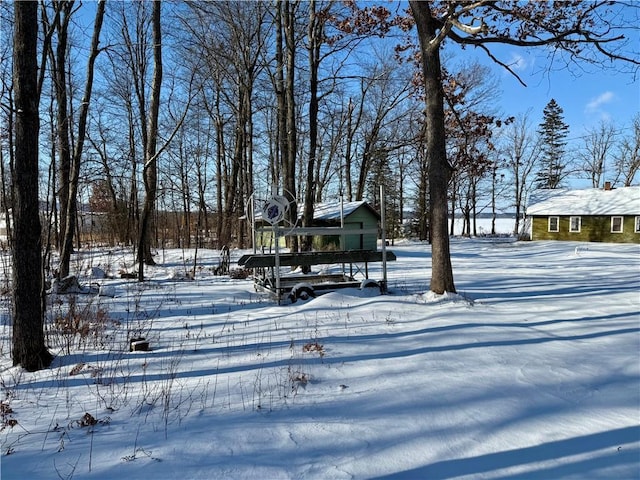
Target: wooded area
pixel 158 121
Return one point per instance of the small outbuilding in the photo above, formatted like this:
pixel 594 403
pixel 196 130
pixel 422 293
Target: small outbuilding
pixel 351 215
pixel 356 216
pixel 589 215
pixel 343 234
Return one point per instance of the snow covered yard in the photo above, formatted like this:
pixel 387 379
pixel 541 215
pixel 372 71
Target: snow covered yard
pixel 532 371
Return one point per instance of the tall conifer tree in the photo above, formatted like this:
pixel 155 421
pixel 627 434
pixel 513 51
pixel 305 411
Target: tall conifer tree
pixel 553 133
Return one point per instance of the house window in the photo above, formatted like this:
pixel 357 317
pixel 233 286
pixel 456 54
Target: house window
pixel 637 227
pixel 616 224
pixel 574 224
pixel 554 223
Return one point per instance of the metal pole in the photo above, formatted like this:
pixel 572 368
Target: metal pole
pixel 383 283
pixel 276 234
pixel 342 239
pixel 251 214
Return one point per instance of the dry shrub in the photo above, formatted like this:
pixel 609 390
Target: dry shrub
pixel 6 416
pixel 88 420
pixel 239 273
pixel 314 347
pixel 81 325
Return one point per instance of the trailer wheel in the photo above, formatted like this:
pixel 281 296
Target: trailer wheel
pixel 369 283
pixel 302 291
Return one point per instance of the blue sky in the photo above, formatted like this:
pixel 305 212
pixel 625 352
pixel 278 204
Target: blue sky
pixel 587 97
pixel 588 94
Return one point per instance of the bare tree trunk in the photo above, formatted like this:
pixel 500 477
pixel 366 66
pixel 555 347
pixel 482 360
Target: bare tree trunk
pixel 116 217
pixel 628 158
pixel 213 111
pixel 150 169
pixel 439 168
pixel 219 168
pixel 71 209
pixel 281 142
pixel 51 216
pixel 518 197
pixel 522 153
pixel 202 223
pixel 4 177
pixel 315 40
pixel 59 62
pixel 347 154
pixel 133 215
pixel 290 115
pixel 28 347
pixel 185 187
pixel 474 204
pixel 454 199
pixel 365 164
pixel 422 210
pixel 248 166
pixel 233 175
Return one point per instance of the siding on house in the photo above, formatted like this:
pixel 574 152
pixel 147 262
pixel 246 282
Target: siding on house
pixel 592 210
pixel 592 229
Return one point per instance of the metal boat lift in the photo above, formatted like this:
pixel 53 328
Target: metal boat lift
pixel 355 264
pixel 354 271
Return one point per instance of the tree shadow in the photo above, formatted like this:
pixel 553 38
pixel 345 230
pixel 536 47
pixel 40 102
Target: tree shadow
pixel 610 449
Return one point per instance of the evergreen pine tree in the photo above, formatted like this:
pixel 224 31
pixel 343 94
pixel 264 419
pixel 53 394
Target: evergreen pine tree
pixel 553 132
pixel 381 174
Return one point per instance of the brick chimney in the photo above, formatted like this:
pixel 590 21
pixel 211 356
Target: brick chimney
pixel 607 185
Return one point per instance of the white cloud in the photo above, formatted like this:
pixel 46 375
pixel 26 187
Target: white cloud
pixel 595 104
pixel 518 62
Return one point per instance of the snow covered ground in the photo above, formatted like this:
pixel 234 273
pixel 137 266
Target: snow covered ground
pixel 531 371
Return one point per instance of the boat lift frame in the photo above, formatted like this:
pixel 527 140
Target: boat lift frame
pixel 303 286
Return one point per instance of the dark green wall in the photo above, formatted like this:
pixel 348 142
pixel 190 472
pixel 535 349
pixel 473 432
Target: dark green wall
pixel 362 217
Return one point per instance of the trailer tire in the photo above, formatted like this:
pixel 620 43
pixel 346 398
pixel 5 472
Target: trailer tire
pixel 302 291
pixel 369 283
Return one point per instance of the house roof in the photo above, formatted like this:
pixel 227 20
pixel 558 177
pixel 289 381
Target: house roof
pixel 331 211
pixel 591 201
